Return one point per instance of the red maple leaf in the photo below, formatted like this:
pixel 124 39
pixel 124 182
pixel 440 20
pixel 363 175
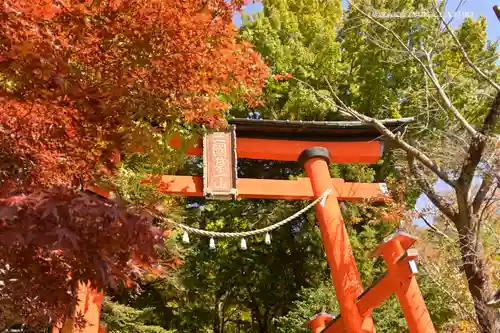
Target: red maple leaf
pixel 76 76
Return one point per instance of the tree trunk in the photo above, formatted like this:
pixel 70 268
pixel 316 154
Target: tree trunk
pixel 258 318
pixel 216 323
pixel 479 281
pixel 265 321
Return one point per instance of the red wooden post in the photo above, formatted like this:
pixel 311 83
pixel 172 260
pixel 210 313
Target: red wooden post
pixel 408 293
pixel 319 321
pixel 336 242
pixel 102 328
pixel 89 304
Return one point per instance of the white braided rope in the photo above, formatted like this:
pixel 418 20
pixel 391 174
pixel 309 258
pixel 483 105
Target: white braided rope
pixel 217 234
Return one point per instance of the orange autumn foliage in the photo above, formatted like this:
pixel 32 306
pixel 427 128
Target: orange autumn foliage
pixel 74 74
pixel 76 79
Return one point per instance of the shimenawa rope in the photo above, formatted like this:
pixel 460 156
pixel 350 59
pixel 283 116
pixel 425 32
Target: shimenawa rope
pixel 218 234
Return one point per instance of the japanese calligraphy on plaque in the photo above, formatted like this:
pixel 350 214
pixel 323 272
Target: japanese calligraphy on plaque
pixel 219 159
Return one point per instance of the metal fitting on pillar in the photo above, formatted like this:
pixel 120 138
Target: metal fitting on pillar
pixel 314 152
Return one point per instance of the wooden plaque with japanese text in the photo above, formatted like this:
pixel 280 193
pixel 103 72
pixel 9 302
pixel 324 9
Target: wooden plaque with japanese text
pixel 219 161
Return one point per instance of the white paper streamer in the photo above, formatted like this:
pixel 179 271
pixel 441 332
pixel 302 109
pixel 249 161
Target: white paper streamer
pixel 268 239
pixel 185 237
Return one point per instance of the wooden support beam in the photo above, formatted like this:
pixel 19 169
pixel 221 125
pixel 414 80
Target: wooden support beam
pixel 99 191
pixel 319 321
pixel 380 290
pixel 406 241
pixel 385 286
pixel 299 189
pixel 290 150
pixel 401 265
pixel 335 326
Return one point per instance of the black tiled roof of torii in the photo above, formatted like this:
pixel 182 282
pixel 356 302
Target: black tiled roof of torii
pixel 314 130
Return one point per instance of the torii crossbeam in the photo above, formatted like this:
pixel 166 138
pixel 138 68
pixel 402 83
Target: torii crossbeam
pixel 314 145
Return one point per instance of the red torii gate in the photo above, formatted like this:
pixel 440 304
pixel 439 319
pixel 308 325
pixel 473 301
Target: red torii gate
pixel 313 144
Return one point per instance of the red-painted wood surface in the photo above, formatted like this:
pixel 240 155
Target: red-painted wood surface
pixel 410 298
pixel 344 272
pixel 289 150
pixel 299 189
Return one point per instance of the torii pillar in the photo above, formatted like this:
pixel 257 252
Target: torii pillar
pixel 344 273
pixel 89 305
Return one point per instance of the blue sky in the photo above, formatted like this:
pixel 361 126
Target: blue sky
pixel 474 8
pixel 478 8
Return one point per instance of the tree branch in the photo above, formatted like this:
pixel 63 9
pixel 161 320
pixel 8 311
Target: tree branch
pixel 427 70
pixel 465 311
pixel 409 149
pixel 491 119
pixel 477 146
pixel 436 199
pixel 482 192
pixel 464 53
pixel 433 228
pixel 497 11
pixel 489 202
